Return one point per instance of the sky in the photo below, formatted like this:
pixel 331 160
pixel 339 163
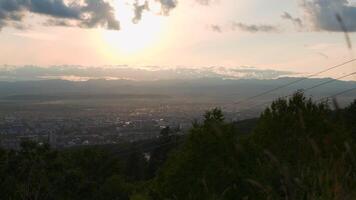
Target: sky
pixel 291 35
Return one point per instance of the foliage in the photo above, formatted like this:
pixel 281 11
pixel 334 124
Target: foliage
pixel 164 145
pixel 298 150
pixel 37 172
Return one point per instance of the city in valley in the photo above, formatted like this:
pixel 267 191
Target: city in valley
pixel 177 100
pixel 66 126
pixel 99 112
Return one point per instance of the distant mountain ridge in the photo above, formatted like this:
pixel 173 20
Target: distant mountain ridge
pixel 216 88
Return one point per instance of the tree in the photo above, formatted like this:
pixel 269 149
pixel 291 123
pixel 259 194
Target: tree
pixel 301 144
pixel 164 145
pixel 135 165
pixel 289 124
pixel 213 116
pixel 297 151
pixel 203 168
pixel 350 118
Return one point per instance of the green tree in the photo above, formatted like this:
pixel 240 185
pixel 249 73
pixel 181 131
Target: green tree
pixel 204 167
pixel 135 165
pixel 164 145
pixel 300 145
pixel 288 125
pixel 29 173
pixel 297 151
pixel 350 118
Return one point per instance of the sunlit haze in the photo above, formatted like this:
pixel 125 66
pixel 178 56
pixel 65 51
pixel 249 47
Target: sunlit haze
pixel 297 35
pixel 177 99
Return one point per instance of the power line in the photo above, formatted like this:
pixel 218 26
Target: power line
pixel 176 142
pixel 337 94
pixel 313 87
pixel 294 82
pixel 150 147
pixel 330 81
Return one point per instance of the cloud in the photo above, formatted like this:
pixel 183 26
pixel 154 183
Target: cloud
pixel 58 22
pixel 76 13
pixel 295 20
pixel 86 14
pixel 167 6
pixel 204 2
pixel 25 73
pixel 138 10
pixel 238 26
pixel 215 28
pixel 322 15
pixel 100 14
pixel 253 28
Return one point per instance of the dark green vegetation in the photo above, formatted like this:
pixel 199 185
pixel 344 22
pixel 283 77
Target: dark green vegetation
pixel 297 150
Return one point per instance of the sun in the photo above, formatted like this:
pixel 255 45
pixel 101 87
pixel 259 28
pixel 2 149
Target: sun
pixel 132 38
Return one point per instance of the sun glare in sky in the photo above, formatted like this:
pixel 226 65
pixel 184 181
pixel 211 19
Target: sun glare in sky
pixel 274 34
pixel 133 38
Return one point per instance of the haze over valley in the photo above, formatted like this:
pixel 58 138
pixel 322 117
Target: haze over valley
pixel 177 100
pixel 136 107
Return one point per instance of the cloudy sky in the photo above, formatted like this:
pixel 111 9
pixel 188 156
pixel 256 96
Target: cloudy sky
pixel 288 35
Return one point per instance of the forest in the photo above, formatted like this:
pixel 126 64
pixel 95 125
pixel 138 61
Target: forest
pixel 297 149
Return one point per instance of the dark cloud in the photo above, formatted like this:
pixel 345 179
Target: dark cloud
pixel 216 28
pixel 9 13
pixel 138 10
pixel 92 13
pixel 100 14
pixel 55 8
pixel 204 2
pixel 167 6
pixel 58 22
pixel 322 14
pixel 252 28
pixel 295 20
